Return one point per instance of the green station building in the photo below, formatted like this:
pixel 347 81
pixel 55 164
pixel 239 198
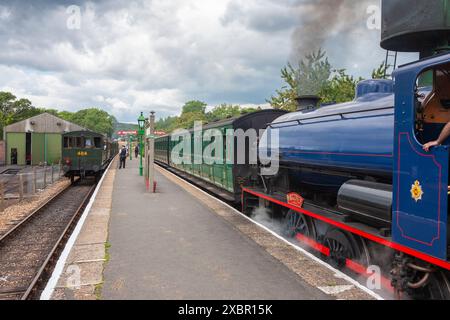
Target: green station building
pixel 36 140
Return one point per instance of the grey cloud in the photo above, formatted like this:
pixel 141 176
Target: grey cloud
pixel 136 55
pixel 262 16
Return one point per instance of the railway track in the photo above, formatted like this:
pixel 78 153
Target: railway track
pixel 28 252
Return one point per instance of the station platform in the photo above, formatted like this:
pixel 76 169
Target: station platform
pixel 183 244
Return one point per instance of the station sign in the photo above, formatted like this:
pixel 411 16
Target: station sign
pixel 127 133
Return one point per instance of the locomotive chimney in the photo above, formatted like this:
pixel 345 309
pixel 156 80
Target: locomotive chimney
pixel 307 103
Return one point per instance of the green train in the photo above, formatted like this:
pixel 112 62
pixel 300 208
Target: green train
pixel 224 180
pixel 86 154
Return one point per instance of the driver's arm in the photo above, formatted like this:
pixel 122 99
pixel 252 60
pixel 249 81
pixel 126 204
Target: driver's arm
pixel 445 134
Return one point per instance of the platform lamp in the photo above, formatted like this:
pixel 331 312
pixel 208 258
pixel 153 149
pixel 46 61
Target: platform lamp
pixel 141 122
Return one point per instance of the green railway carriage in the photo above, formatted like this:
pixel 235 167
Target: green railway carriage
pixel 86 154
pixel 224 179
pixel 161 150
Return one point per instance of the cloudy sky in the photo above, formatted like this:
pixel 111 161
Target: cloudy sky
pixel 126 56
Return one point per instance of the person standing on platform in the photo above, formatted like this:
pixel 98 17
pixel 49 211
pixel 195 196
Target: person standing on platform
pixel 136 151
pixel 123 157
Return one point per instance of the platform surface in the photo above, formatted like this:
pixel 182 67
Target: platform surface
pixel 169 245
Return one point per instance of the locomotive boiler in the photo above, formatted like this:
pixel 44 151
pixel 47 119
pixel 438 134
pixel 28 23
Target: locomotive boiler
pixel 326 151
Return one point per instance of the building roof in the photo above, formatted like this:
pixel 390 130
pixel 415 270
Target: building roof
pixel 43 123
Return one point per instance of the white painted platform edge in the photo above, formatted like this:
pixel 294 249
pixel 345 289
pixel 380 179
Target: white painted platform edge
pixel 338 273
pixel 59 268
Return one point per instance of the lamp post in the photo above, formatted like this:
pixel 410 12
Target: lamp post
pixel 141 122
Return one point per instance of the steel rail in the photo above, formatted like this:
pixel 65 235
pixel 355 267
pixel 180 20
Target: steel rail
pixel 32 214
pixel 26 293
pixel 58 244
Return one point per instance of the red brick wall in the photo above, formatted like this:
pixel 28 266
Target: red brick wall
pixel 2 152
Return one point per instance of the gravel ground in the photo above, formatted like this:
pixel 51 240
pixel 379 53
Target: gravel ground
pixel 22 254
pixel 15 213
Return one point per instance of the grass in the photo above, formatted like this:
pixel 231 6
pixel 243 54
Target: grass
pixel 107 254
pixel 99 287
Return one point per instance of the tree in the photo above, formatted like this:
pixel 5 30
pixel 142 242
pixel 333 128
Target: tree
pixel 310 78
pixel 226 111
pixel 285 97
pixel 54 112
pixel 196 111
pixel 94 119
pixel 13 110
pixel 23 109
pixel 6 106
pixel 194 106
pixel 192 111
pixel 380 72
pixel 223 111
pixel 187 120
pixel 66 115
pixel 315 75
pixel 166 124
pixel 341 88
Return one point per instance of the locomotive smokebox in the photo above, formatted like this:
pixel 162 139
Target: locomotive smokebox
pixel 416 26
pixel 307 103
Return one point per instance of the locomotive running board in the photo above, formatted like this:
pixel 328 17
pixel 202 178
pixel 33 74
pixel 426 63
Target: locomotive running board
pixel 345 226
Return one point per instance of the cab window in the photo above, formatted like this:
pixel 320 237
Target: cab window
pixel 98 142
pixel 88 143
pixel 68 143
pixel 79 143
pixel 433 103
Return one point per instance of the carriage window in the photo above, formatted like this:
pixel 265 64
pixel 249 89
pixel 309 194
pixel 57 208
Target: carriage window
pixel 433 102
pixel 79 142
pixel 98 142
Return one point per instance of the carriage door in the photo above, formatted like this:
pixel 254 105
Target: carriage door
pixel 420 204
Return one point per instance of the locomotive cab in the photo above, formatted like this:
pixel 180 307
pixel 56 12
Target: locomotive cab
pixel 421 179
pixel 433 106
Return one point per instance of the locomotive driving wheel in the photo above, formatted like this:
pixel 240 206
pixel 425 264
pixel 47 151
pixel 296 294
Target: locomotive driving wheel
pixel 438 287
pixel 297 223
pixel 343 246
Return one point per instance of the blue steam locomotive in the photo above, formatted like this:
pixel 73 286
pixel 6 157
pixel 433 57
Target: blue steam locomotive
pixel 354 181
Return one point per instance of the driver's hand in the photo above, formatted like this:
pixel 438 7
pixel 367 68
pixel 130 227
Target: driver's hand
pixel 430 145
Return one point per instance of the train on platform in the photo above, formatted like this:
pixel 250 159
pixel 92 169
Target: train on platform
pixel 354 182
pixel 87 154
pixel 223 178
